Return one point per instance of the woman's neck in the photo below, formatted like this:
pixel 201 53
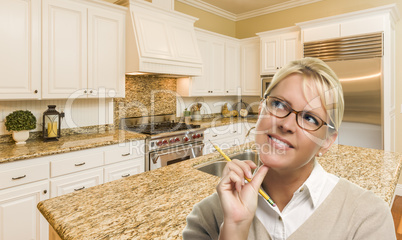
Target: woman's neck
pixel 281 185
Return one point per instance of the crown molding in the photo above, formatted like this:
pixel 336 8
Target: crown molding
pixel 255 13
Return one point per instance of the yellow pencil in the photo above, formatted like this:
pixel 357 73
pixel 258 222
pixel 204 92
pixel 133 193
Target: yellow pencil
pixel 229 160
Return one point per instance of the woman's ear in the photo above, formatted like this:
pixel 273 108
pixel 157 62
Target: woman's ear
pixel 328 142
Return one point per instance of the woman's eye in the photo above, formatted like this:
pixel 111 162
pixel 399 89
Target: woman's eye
pixel 311 119
pixel 278 104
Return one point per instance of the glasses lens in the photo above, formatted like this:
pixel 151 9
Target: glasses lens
pixel 309 121
pixel 277 107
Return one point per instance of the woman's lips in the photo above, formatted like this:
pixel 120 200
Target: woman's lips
pixel 278 142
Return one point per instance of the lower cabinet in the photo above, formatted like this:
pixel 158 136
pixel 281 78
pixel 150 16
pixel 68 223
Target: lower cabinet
pixel 19 217
pixel 75 182
pixel 23 184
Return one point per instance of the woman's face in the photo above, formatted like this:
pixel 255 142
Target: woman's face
pixel 283 144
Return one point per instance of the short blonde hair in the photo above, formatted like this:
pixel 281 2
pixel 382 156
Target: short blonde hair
pixel 326 82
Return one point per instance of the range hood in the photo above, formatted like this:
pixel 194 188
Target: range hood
pixel 160 41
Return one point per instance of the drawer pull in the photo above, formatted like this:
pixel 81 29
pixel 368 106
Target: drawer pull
pixel 126 175
pixel 126 154
pixel 79 164
pixel 234 132
pixel 77 189
pixel 16 178
pixel 214 135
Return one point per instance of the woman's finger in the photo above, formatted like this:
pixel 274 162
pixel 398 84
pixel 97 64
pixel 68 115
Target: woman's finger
pixel 259 177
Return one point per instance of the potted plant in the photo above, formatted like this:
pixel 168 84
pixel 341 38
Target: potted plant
pixel 19 123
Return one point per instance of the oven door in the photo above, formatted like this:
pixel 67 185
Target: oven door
pixel 164 157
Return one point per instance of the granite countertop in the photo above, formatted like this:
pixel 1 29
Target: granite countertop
pixel 154 204
pixel 10 152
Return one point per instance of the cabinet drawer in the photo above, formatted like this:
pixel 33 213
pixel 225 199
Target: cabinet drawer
pixel 118 153
pixel 75 182
pixel 124 169
pixel 75 164
pixel 22 175
pixel 223 132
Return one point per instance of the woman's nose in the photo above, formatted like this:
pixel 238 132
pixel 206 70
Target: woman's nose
pixel 288 124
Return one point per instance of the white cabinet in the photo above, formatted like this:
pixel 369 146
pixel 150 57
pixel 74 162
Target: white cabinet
pixel 221 74
pixel 226 136
pixel 124 169
pixel 278 47
pixel 250 67
pixel 232 67
pixel 19 217
pixel 83 50
pixel 75 182
pixel 20 48
pixel 335 27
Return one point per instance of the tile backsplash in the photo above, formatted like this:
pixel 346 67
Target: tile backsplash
pixel 146 95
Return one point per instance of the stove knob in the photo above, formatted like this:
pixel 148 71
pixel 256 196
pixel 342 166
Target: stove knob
pixel 185 139
pixel 171 140
pixel 198 135
pixel 194 136
pixel 177 139
pixel 159 143
pixel 165 141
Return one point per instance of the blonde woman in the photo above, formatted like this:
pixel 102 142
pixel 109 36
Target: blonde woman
pixel 299 120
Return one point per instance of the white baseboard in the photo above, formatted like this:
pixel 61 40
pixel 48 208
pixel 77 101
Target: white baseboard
pixel 398 190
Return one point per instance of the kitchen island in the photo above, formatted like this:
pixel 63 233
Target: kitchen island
pixel 154 204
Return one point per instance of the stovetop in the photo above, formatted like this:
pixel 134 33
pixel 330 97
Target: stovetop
pixel 161 127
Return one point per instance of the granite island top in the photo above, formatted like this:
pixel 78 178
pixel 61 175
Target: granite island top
pixel 10 152
pixel 154 204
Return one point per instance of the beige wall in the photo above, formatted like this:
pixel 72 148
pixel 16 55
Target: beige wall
pixel 208 21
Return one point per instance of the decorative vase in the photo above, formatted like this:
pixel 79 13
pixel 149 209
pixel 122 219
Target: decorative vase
pixel 20 136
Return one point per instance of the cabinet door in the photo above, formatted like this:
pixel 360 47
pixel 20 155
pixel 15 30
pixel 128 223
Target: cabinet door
pixel 232 68
pixel 322 32
pixel 200 85
pixel 19 217
pixel 20 45
pixel 75 182
pixel 106 68
pixel 64 53
pixel 250 65
pixel 290 49
pixel 217 68
pixel 124 169
pixel 185 41
pixel 271 55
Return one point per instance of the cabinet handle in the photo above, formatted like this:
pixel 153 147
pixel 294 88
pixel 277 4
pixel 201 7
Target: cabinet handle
pixel 36 91
pixel 277 67
pixel 90 91
pixel 234 132
pixel 16 178
pixel 227 91
pixel 44 191
pixel 125 154
pixel 77 189
pixel 126 175
pixel 214 135
pixel 79 164
pixel 85 91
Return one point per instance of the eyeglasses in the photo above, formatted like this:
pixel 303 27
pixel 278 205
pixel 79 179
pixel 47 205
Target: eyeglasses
pixel 304 119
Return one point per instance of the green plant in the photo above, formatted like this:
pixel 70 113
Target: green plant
pixel 20 120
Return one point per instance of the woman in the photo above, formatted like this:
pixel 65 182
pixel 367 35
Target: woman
pixel 299 120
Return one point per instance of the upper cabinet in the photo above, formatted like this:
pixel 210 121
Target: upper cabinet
pixel 221 74
pixel 20 48
pixel 278 47
pixel 61 49
pixel 250 67
pixel 83 50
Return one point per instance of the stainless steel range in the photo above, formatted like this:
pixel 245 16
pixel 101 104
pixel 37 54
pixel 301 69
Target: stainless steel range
pixel 168 141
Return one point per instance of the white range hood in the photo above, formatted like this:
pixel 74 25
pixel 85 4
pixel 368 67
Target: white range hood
pixel 160 41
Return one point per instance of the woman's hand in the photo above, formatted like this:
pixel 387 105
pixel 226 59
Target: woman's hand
pixel 239 199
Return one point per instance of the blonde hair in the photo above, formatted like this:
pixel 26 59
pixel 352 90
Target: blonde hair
pixel 326 82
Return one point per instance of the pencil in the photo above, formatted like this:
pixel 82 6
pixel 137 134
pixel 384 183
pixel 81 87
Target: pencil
pixel 263 194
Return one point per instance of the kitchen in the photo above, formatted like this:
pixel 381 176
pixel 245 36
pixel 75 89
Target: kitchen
pixel 87 111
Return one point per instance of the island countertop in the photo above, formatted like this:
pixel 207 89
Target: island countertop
pixel 154 204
